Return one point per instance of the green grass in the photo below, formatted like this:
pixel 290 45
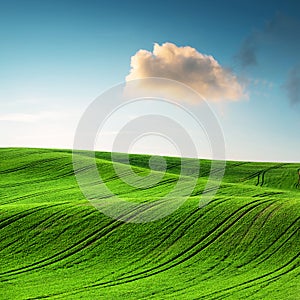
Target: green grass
pixel 245 244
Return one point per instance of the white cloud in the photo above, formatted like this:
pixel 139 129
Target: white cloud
pixel 29 118
pixel 52 128
pixel 186 65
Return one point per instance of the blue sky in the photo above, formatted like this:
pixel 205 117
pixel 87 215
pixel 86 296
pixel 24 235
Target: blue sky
pixel 56 57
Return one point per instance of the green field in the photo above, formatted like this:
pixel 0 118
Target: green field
pixel 245 244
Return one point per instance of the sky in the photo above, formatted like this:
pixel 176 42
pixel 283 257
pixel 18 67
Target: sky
pixel 57 57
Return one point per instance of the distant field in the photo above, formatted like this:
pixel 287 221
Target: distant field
pixel 245 244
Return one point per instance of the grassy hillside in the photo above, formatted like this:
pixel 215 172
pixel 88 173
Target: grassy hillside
pixel 245 244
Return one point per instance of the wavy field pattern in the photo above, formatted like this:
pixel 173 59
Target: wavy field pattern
pixel 245 244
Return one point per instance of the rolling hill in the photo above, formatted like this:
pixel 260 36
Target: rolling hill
pixel 245 244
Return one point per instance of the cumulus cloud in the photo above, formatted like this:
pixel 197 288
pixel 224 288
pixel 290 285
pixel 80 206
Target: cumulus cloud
pixel 292 85
pixel 201 72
